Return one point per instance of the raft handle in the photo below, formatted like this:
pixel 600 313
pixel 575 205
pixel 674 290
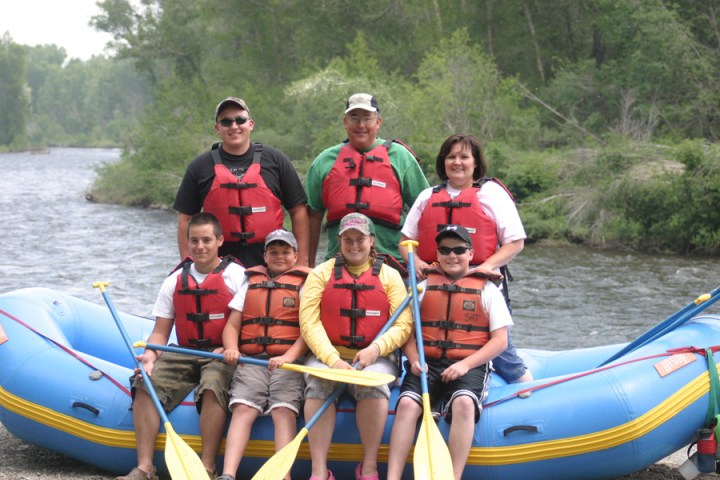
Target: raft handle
pixel 514 428
pixel 86 407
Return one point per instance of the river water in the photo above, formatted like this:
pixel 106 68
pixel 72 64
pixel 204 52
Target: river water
pixel 562 297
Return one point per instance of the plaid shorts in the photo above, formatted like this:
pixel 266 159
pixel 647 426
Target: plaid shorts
pixel 175 375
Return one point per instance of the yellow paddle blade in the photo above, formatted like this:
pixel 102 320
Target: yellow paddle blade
pixel 356 377
pixel 181 460
pixel 279 464
pixel 431 458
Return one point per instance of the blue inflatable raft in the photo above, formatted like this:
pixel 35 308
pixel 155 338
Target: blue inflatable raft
pixel 64 385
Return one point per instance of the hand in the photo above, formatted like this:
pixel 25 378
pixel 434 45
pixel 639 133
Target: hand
pixel 367 356
pixel 492 274
pixel 342 364
pixel 148 358
pixel 420 265
pixel 416 368
pixel 231 357
pixel 453 372
pixel 276 362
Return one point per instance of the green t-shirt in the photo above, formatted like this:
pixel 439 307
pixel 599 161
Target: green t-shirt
pixel 410 177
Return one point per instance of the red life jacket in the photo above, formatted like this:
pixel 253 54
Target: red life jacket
pixel 270 313
pixel 247 209
pixel 454 322
pixel 354 310
pixel 201 310
pixel 365 183
pixel 465 210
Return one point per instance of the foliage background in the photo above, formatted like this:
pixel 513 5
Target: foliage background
pixel 601 116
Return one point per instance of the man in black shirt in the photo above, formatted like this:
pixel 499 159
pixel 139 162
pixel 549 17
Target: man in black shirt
pixel 246 186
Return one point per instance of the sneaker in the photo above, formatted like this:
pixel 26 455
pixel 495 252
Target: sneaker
pixel 137 474
pixel 225 477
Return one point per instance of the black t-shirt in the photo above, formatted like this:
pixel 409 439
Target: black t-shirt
pixel 276 170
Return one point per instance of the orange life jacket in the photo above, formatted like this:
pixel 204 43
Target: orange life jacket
pixel 465 210
pixel 201 310
pixel 365 183
pixel 454 322
pixel 270 313
pixel 354 310
pixel 247 209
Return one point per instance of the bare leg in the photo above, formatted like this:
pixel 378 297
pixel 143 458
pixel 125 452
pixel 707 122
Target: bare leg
pixel 147 425
pixel 462 429
pixel 212 425
pixel 285 421
pixel 320 435
pixel 238 436
pixel 402 436
pixel 371 415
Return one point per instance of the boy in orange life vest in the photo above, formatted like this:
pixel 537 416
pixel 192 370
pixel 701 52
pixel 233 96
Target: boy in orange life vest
pixel 457 370
pixel 175 375
pixel 264 323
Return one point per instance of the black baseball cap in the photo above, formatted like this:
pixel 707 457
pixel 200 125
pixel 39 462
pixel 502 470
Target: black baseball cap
pixel 457 231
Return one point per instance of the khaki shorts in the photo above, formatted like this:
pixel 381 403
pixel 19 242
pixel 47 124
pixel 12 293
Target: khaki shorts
pixel 175 375
pixel 260 388
pixel 319 388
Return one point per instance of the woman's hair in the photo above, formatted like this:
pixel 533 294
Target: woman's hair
pixel 475 148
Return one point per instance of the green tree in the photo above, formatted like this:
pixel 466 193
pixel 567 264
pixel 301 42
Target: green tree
pixel 14 98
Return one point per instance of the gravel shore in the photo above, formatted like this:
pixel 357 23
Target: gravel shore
pixel 22 461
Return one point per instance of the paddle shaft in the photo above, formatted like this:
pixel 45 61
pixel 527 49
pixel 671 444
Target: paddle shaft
pixel 201 353
pixel 669 324
pixel 357 377
pixel 410 244
pixel 430 447
pixel 128 343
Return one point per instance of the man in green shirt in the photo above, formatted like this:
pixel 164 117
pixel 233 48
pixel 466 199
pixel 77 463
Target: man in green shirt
pixel 365 174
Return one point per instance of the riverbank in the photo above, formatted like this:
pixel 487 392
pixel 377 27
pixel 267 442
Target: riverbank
pixel 22 461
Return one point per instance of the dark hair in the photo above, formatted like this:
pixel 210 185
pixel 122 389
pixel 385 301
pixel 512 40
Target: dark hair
pixel 206 218
pixel 475 148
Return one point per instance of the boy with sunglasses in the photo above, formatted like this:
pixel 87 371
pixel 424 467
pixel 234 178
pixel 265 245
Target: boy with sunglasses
pixel 246 185
pixel 465 323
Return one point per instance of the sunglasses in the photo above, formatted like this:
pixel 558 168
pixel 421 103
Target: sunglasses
pixel 455 250
pixel 227 122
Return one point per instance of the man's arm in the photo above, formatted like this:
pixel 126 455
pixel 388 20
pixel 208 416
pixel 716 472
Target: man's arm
pixel 182 235
pixel 315 219
pixel 301 228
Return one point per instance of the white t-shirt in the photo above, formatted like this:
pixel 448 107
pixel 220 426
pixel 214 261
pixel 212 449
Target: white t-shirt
pixel 495 201
pixel 234 276
pixel 493 303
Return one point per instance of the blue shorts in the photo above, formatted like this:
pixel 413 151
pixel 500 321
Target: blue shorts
pixel 508 364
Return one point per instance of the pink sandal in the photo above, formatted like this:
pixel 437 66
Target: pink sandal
pixel 360 476
pixel 330 476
